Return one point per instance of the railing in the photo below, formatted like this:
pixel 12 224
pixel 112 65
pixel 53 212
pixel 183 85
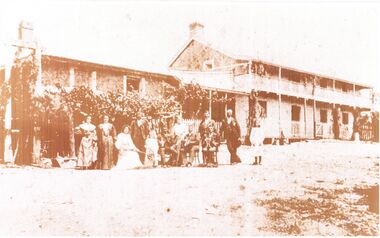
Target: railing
pixel 344 132
pixel 323 130
pixel 295 89
pixel 247 82
pixel 366 133
pixel 339 97
pixel 295 129
pixel 319 130
pixel 221 80
pixel 286 87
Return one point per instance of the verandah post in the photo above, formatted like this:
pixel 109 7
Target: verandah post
pixel 279 101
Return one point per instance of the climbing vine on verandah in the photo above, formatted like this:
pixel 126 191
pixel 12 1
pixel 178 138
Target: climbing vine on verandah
pixel 23 80
pixel 194 99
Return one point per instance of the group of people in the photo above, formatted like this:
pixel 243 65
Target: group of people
pixel 97 144
pixel 144 144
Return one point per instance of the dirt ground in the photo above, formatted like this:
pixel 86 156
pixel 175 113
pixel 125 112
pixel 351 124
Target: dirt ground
pixel 306 188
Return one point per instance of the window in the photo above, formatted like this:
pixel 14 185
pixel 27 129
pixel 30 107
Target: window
pixel 323 116
pixel 263 104
pixel 296 112
pixel 208 65
pixel 132 84
pixel 345 118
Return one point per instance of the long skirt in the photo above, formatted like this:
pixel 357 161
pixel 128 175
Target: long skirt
pixel 128 160
pixel 87 152
pixel 106 152
pixel 257 138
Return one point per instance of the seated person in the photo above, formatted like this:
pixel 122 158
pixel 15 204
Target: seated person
pixel 210 145
pixel 190 145
pixel 283 139
pixel 168 144
pixel 173 148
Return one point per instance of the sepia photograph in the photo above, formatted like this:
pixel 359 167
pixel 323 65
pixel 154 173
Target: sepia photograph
pixel 191 118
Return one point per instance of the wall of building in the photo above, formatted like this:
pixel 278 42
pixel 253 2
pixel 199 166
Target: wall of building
pixel 155 87
pixel 55 73
pixel 271 122
pixel 326 126
pixel 348 128
pixel 82 77
pixel 242 112
pixel 293 129
pixel 106 79
pixel 109 81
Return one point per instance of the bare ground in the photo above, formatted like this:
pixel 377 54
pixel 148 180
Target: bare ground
pixel 308 188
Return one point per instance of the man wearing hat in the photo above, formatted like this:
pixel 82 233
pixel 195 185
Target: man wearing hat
pixel 231 130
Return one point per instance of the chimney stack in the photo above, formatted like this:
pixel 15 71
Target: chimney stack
pixel 196 30
pixel 25 31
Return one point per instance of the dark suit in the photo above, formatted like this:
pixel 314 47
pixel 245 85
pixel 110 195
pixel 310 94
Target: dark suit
pixel 232 135
pixel 139 134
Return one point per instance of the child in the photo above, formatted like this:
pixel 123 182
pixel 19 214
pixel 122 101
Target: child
pixel 210 147
pixel 151 146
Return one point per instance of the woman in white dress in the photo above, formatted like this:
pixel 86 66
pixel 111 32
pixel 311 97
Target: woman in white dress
pixel 256 129
pixel 128 156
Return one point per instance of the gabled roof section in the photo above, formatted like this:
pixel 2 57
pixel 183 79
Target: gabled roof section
pixel 188 43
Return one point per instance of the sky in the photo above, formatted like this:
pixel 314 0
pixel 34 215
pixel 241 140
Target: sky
pixel 339 39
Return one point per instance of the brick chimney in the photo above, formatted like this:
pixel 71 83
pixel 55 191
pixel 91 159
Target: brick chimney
pixel 196 30
pixel 25 31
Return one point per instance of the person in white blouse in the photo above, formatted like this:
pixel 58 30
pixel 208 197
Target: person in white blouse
pixel 88 148
pixel 178 133
pixel 128 156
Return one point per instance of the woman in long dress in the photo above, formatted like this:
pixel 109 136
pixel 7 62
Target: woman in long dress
pixel 128 156
pixel 256 129
pixel 107 135
pixel 88 149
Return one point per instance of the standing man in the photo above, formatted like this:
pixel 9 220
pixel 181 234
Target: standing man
pixel 205 124
pixel 139 132
pixel 256 131
pixel 178 134
pixel 231 130
pixel 208 133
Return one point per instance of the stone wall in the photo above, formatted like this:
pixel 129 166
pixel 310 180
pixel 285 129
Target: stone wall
pixel 72 74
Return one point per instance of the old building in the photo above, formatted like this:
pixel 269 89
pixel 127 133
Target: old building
pixel 70 73
pixel 301 104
